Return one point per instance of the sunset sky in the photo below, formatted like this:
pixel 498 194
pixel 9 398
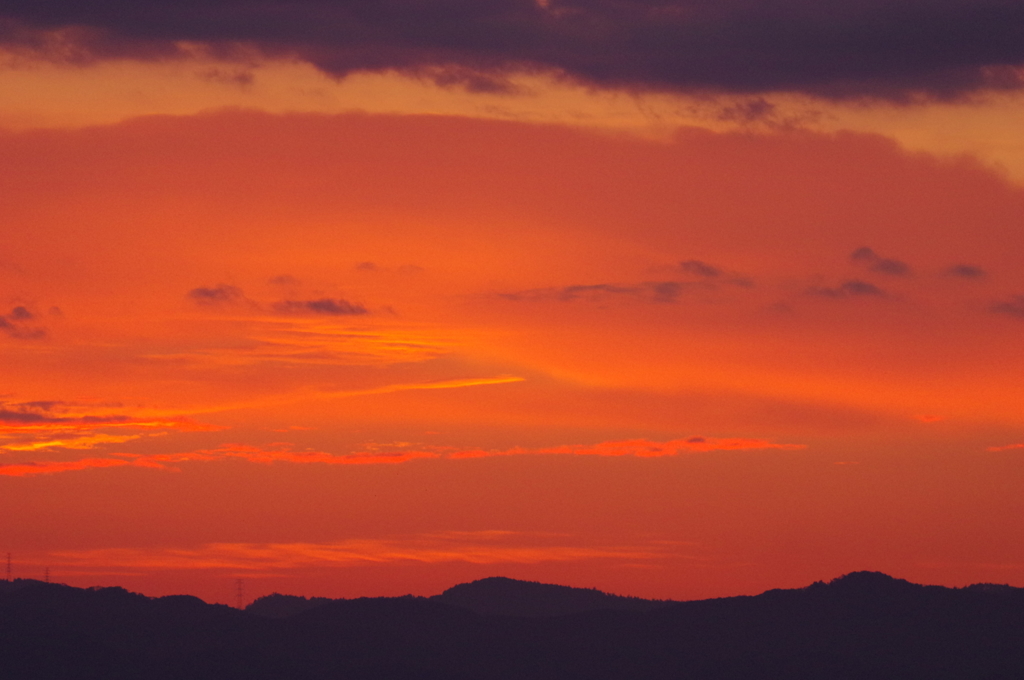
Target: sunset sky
pixel 674 299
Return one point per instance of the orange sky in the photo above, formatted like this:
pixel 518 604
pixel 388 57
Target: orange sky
pixel 371 353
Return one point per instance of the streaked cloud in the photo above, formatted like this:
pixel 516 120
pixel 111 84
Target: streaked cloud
pixel 641 448
pixel 54 466
pixel 314 339
pixel 1006 447
pixel 34 426
pixel 395 453
pixel 473 547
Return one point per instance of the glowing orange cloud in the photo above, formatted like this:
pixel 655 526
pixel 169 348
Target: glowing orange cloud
pixel 640 448
pixel 50 467
pixel 83 442
pixel 256 454
pixel 1008 447
pixel 28 431
pixel 95 423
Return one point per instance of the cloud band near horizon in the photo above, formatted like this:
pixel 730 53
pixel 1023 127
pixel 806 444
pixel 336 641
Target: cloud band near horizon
pixel 863 48
pixel 374 455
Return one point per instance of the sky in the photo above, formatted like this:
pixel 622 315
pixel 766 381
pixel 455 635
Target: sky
pixel 675 299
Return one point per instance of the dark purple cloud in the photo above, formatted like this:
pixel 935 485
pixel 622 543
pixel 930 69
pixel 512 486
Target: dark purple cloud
pixel 18 323
pixel 710 273
pixel 326 306
pixel 216 295
pixel 649 291
pixel 966 271
pixel 1014 307
pixel 702 269
pixel 877 263
pixel 851 288
pixel 893 49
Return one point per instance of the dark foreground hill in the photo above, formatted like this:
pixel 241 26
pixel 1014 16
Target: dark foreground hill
pixel 863 625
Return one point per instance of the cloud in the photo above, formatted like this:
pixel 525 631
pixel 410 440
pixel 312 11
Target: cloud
pixel 896 50
pixel 20 314
pixel 34 426
pixel 18 324
pixel 966 271
pixel 698 268
pixel 326 306
pixel 53 467
pixel 1014 307
pixel 395 453
pixel 1008 447
pixel 641 448
pixel 216 295
pixel 851 288
pixel 650 291
pixel 710 273
pixel 876 263
pixel 474 547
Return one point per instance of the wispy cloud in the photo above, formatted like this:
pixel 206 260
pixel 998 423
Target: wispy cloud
pixel 1006 447
pixel 314 340
pixel 32 426
pixel 966 271
pixel 435 385
pixel 883 265
pixel 54 466
pixel 649 291
pixel 395 453
pixel 639 448
pixel 328 306
pixel 473 547
pixel 221 294
pixel 22 324
pixel 710 273
pixel 851 288
pixel 1012 307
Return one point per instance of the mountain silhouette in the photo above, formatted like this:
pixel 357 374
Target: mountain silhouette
pixel 508 597
pixel 861 626
pixel 496 595
pixel 277 606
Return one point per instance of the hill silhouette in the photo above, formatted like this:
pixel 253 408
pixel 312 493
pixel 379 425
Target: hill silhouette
pixel 509 597
pixel 860 626
pixel 496 595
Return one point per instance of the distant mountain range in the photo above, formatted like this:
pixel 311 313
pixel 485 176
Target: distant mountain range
pixel 864 625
